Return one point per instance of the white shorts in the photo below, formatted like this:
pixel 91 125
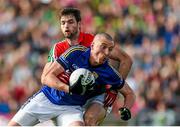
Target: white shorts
pixel 39 109
pixel 97 99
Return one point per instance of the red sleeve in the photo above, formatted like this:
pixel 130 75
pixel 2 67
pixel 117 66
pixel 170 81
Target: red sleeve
pixel 60 48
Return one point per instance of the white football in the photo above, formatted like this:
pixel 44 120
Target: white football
pixel 87 77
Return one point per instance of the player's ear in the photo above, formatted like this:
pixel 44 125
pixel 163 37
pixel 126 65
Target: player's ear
pixel 92 45
pixel 79 23
pixel 79 26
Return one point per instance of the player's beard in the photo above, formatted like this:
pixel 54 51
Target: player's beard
pixel 71 35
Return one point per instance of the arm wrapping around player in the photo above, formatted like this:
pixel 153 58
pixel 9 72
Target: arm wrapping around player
pixel 51 58
pixel 45 71
pixel 124 60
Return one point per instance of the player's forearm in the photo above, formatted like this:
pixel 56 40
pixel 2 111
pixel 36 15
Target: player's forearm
pixel 129 100
pixel 54 82
pixel 50 78
pixel 45 71
pixel 129 96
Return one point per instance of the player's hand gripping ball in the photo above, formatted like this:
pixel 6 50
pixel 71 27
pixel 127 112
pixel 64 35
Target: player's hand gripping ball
pixel 80 81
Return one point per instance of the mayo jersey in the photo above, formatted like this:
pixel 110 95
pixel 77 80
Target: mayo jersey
pixel 78 57
pixel 84 39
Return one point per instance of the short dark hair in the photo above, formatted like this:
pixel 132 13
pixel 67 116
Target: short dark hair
pixel 71 11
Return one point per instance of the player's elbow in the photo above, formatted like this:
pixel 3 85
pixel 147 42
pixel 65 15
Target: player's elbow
pixel 128 61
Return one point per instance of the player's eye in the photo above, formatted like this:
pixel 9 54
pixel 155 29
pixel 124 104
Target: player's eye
pixel 62 22
pixel 71 22
pixel 103 47
pixel 110 49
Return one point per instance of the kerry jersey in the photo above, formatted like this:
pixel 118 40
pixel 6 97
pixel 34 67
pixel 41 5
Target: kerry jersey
pixel 84 39
pixel 78 57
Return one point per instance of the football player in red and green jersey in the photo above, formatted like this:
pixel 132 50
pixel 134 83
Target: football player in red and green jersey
pixel 84 39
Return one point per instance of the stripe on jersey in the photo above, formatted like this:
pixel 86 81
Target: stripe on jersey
pixel 118 74
pixel 74 48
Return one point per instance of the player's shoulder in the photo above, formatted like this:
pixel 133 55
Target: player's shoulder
pixel 77 48
pixel 61 42
pixel 88 34
pixel 61 46
pixel 74 50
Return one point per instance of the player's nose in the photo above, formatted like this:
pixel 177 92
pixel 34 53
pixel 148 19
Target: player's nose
pixel 66 25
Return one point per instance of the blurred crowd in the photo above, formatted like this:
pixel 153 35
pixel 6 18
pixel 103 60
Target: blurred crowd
pixel 148 30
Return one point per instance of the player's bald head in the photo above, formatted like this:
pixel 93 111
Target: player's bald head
pixel 101 48
pixel 101 37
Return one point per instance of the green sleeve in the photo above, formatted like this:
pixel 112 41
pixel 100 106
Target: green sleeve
pixel 51 55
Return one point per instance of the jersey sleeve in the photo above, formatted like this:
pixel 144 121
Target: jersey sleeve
pixel 56 51
pixel 68 57
pixel 51 55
